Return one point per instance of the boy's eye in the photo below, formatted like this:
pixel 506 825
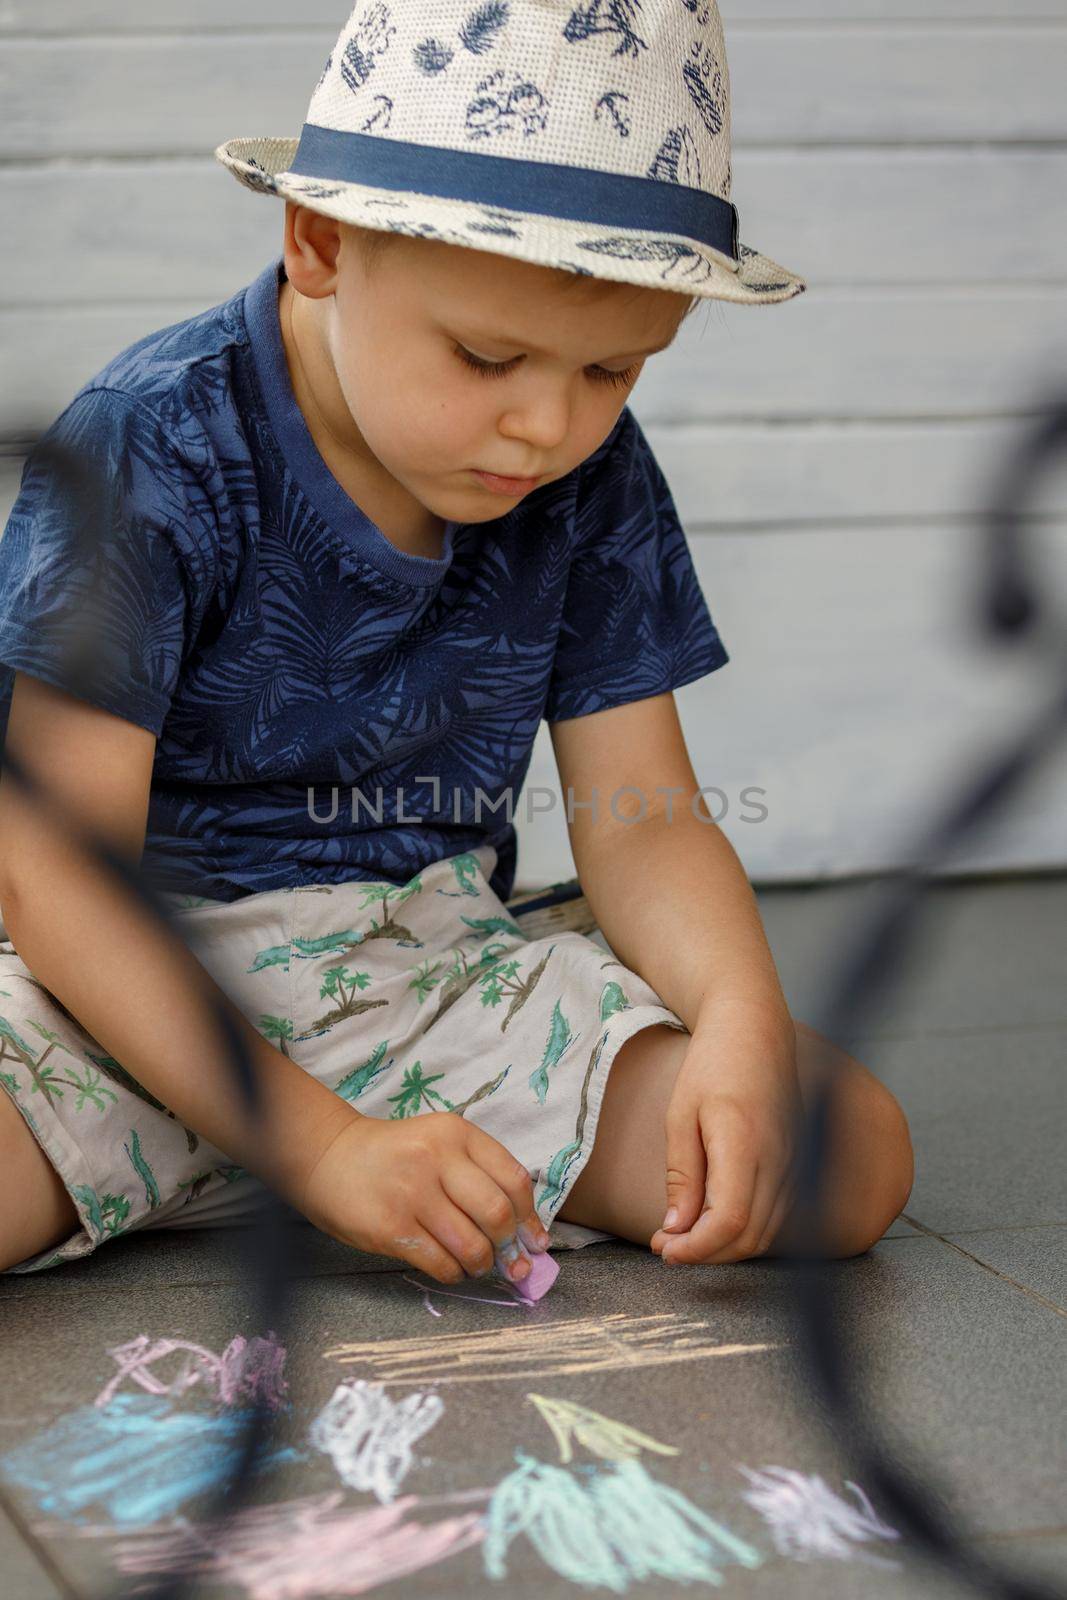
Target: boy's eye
pixel 500 369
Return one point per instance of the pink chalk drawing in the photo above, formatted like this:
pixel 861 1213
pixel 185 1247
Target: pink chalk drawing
pixel 437 1288
pixel 369 1437
pixel 245 1370
pixel 299 1549
pixel 808 1521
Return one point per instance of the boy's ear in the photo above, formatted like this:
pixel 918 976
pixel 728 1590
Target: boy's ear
pixel 312 250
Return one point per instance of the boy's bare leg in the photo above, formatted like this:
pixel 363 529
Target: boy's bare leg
pixel 37 1212
pixel 622 1187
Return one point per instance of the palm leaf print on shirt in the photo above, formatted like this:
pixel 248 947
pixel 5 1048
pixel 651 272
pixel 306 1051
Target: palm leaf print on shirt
pixel 464 867
pixel 612 999
pixel 353 1083
pixel 560 1165
pixel 461 975
pixel 107 1212
pixel 415 1088
pixel 499 981
pixel 490 1086
pixel 113 1069
pixel 343 986
pixel 143 1170
pixel 560 1040
pixel 378 893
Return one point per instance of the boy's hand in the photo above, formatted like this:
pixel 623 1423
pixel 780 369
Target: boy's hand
pixel 433 1190
pixel 731 1138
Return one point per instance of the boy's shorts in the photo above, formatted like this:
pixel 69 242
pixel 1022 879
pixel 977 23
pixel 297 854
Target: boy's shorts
pixel 403 999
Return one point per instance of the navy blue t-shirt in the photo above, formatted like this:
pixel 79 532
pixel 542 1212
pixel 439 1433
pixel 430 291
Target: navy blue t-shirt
pixel 287 654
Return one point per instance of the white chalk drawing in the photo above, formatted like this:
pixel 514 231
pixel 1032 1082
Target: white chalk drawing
pixel 808 1521
pixel 369 1437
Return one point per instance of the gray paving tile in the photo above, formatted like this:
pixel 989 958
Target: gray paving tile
pixel 1034 1257
pixel 988 954
pixel 176 1257
pixel 1040 1558
pixel 986 1118
pixel 941 1338
pixel 22 1575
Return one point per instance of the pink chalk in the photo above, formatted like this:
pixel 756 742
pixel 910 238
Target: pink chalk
pixel 544 1270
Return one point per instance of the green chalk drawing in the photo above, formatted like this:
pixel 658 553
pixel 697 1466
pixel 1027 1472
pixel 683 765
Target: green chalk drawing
pixel 609 1526
pixel 612 1441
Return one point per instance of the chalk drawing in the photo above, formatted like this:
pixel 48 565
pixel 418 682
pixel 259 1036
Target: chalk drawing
pixel 457 1294
pixel 137 1457
pixel 369 1437
pixel 809 1521
pixel 610 1525
pixel 613 1441
pixel 299 1549
pixel 538 1350
pixel 244 1371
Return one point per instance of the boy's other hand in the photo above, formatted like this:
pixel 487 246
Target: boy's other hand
pixel 732 1124
pixel 432 1190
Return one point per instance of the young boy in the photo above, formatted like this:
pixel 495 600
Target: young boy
pixel 362 527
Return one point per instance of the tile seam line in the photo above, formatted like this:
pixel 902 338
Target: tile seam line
pixel 1013 1283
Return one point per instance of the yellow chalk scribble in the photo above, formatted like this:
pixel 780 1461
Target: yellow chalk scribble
pixel 614 1441
pixel 540 1349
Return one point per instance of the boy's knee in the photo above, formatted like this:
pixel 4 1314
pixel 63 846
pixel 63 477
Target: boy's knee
pixel 888 1171
pixel 37 1212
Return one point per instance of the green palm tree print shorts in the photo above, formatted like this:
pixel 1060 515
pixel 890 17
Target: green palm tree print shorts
pixel 404 999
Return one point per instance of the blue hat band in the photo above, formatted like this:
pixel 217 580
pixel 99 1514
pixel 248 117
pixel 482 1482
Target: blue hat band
pixel 574 194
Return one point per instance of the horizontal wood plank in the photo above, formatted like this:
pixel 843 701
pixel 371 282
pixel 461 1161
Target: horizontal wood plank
pixel 859 695
pixel 859 688
pixel 127 231
pixel 791 84
pixel 852 354
pixel 84 16
pixel 751 476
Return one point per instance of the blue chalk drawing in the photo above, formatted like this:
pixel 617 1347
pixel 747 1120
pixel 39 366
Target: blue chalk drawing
pixel 137 1458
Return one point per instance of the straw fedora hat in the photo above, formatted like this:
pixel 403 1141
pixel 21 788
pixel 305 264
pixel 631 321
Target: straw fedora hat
pixel 591 137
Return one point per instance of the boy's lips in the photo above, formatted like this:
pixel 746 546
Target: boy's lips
pixel 499 485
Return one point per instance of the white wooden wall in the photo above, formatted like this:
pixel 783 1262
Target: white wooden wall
pixel 829 456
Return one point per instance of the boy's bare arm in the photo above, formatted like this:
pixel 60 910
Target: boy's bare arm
pixel 135 988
